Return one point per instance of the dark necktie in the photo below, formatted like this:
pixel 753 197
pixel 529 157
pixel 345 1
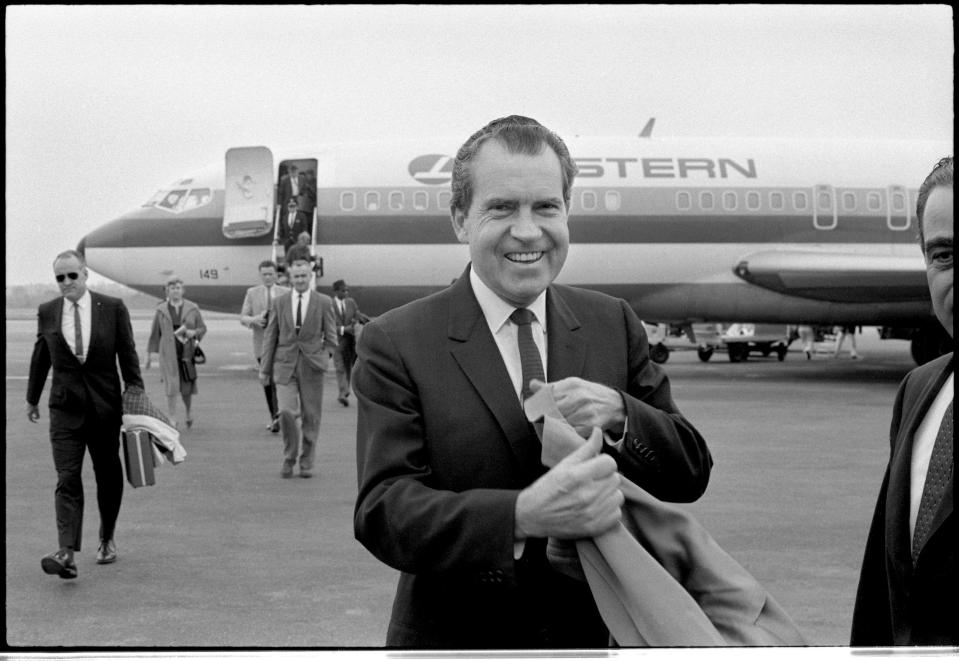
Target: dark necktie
pixel 938 476
pixel 299 312
pixel 77 332
pixel 529 357
pixel 268 300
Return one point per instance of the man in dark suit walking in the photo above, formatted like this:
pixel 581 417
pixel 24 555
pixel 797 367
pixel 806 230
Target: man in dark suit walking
pixel 452 491
pixel 82 336
pixel 907 588
pixel 348 316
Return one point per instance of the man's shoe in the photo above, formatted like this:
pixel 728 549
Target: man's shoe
pixel 59 564
pixel 274 426
pixel 106 552
pixel 306 473
pixel 287 471
pixel 343 400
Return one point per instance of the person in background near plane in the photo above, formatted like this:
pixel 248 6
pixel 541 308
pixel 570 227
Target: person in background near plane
pixel 907 588
pixel 348 318
pixel 83 336
pixel 254 315
pixel 842 332
pixel 289 186
pixel 299 337
pixel 177 328
pixel 452 490
pixel 807 336
pixel 293 223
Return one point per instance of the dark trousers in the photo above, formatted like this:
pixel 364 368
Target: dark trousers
pixel 102 439
pixel 269 391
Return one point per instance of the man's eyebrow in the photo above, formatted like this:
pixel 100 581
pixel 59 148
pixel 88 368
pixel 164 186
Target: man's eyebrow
pixel 938 242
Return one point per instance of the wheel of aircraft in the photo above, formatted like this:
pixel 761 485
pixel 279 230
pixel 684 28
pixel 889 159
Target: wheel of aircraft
pixel 704 353
pixel 781 352
pixel 738 352
pixel 659 353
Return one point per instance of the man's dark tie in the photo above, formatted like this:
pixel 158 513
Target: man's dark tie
pixel 77 332
pixel 299 312
pixel 268 301
pixel 529 356
pixel 938 476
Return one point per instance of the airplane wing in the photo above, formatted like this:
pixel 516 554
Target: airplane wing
pixel 840 277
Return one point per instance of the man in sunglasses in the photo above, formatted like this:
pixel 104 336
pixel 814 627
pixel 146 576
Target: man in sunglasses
pixel 82 335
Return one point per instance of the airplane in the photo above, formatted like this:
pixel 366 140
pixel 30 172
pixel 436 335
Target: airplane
pixel 819 232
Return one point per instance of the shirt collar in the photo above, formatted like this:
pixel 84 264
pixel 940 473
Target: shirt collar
pixel 497 311
pixel 83 303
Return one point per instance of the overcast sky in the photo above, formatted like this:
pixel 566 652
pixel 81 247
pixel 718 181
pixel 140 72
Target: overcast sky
pixel 105 104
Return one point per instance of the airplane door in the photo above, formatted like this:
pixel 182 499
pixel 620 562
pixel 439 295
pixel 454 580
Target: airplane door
pixel 824 208
pixel 248 192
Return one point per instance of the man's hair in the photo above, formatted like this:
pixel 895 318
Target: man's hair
pixel 298 253
pixel 519 135
pixel 339 284
pixel 267 263
pixel 66 254
pixel 173 280
pixel 941 175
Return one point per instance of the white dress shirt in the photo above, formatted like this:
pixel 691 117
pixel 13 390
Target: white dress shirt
pixel 67 326
pixel 306 305
pixel 922 443
pixel 497 312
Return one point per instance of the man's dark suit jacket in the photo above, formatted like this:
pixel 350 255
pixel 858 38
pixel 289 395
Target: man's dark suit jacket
pixel 897 604
pixel 443 449
pixel 91 387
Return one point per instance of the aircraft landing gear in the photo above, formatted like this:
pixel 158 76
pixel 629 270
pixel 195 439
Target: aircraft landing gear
pixel 704 353
pixel 659 353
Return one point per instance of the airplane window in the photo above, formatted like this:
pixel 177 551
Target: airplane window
pixel 777 200
pixel 752 201
pixel 706 200
pixel 173 200
pixel 873 201
pixel 898 202
pixel 420 200
pixel 729 201
pixel 800 201
pixel 159 195
pixel 443 199
pixel 589 200
pixel 196 198
pixel 613 201
pixel 396 200
pixel 848 201
pixel 347 200
pixel 372 201
pixel 684 200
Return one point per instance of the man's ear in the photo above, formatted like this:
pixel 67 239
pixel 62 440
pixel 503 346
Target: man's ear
pixel 458 218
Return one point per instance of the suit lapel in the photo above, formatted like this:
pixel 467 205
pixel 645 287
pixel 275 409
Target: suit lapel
pixel 566 349
pixel 96 316
pixel 475 351
pixel 898 498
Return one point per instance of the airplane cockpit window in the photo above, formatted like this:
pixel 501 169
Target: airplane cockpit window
pixel 180 199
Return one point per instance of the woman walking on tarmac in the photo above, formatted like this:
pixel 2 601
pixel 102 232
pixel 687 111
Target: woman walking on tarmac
pixel 177 330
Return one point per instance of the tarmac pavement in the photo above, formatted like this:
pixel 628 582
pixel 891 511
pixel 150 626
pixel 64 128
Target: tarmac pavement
pixel 224 553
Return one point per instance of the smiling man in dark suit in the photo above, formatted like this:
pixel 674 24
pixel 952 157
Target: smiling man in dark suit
pixel 451 488
pixel 907 588
pixel 82 336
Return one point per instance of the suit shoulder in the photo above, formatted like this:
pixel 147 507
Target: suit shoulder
pixel 415 313
pixel 103 299
pixel 579 295
pixel 928 372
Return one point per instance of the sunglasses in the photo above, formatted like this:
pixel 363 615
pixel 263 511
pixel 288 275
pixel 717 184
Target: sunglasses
pixel 72 275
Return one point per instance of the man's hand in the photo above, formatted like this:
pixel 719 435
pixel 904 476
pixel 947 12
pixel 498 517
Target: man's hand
pixel 579 497
pixel 585 404
pixel 33 412
pixel 261 321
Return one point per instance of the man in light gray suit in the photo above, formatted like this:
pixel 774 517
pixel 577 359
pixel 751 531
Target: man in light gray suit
pixel 299 338
pixel 254 315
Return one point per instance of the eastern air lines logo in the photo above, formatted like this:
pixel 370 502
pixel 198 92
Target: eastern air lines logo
pixel 432 169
